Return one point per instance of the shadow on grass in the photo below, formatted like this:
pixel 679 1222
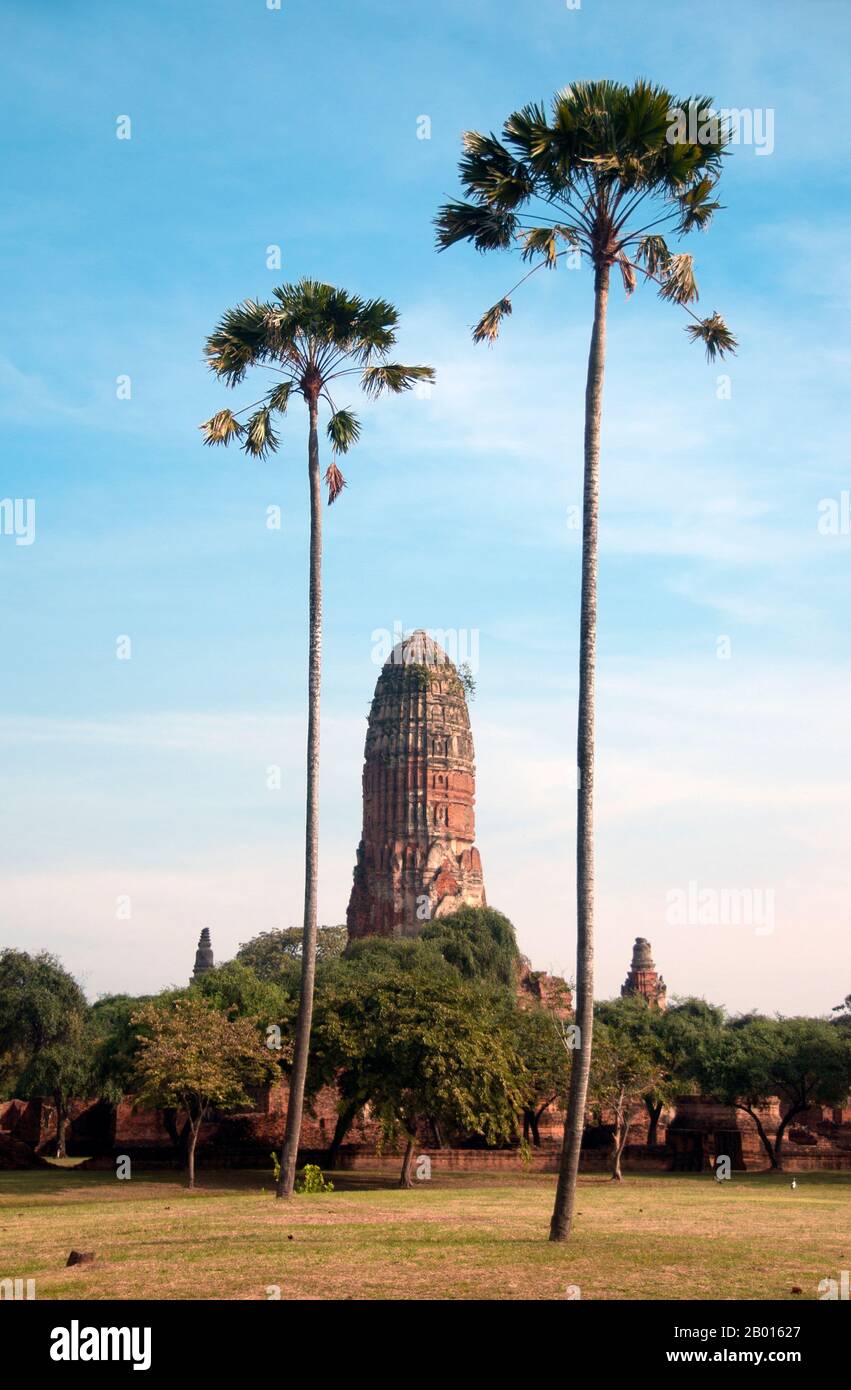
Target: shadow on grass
pixel 61 1178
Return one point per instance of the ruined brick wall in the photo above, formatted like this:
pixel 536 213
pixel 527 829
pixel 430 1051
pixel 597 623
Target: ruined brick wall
pixel 536 989
pixel 690 1134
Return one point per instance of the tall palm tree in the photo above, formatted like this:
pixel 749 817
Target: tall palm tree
pixel 604 174
pixel 311 336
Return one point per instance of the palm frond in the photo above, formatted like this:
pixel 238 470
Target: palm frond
pixel 310 312
pixel 392 376
pixel 678 283
pixel 375 329
pixel 343 430
pixel 653 253
pixel 490 173
pixel 539 241
pixel 528 131
pixel 715 336
pixel 334 481
pixel 487 329
pixel 489 229
pixel 643 116
pixel 240 341
pixel 260 438
pixel 627 273
pixel 544 241
pixel 221 428
pixel 697 206
pixel 279 396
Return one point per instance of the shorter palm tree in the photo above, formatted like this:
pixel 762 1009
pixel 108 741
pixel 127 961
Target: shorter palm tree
pixel 310 336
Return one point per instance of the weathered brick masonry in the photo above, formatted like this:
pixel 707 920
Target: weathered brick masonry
pixel 416 858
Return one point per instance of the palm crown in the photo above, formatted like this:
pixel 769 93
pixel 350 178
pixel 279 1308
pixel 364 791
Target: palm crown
pixel 604 175
pixel 311 335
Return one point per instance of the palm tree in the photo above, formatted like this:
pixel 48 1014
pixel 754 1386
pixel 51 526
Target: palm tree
pixel 311 335
pixel 604 175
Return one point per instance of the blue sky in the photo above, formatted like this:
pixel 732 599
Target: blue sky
pixel 146 778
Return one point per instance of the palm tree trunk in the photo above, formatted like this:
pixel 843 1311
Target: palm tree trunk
pixel 574 1124
pixel 295 1106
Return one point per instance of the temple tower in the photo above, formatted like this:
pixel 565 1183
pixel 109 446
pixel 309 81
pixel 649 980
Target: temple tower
pixel 203 956
pixel 416 859
pixel 643 979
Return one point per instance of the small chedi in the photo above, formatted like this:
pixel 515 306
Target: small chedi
pixel 204 961
pixel 416 859
pixel 643 979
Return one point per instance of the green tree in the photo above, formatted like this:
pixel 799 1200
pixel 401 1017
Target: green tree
pixel 115 1036
pixel 236 988
pixel 802 1061
pixel 415 1040
pixel 339 983
pixel 686 1033
pixel 602 176
pixel 272 1004
pixel 843 1013
pixel 192 1057
pixel 43 1032
pixel 539 1042
pixel 676 1035
pixel 627 1067
pixel 114 1044
pixel 311 336
pixel 272 952
pixel 480 943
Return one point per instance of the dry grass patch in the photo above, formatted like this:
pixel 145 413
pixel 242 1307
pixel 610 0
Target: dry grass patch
pixel 460 1236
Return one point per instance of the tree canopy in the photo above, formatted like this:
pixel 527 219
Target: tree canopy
pixel 273 952
pixel 311 335
pixel 479 941
pixel 193 1056
pixel 609 170
pixel 544 1077
pixel 44 1036
pixel 415 1039
pixel 627 1065
pixel 803 1061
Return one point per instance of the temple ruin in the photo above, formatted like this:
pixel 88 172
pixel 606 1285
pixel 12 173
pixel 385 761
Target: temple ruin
pixel 692 1132
pixel 642 978
pixel 416 859
pixel 204 961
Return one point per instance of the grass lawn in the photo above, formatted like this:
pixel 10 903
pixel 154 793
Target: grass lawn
pixel 459 1236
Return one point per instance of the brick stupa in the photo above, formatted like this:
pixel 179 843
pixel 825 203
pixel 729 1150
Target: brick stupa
pixel 643 979
pixel 416 859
